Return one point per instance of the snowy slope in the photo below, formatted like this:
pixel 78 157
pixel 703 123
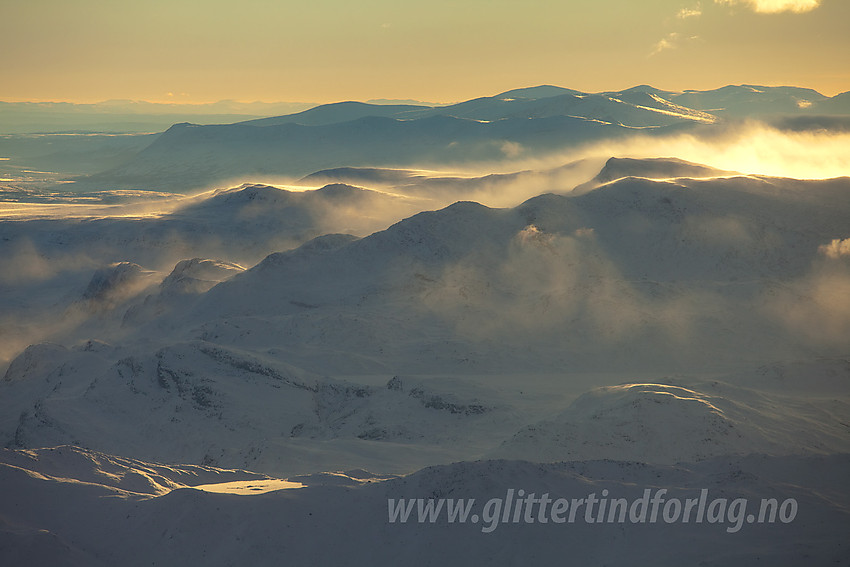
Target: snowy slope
pixel 641 109
pixel 201 403
pixel 644 112
pixel 255 368
pixel 749 100
pixel 51 255
pixel 662 249
pixel 240 224
pixel 682 421
pixel 654 168
pixel 504 189
pixel 438 292
pixel 187 526
pixel 634 263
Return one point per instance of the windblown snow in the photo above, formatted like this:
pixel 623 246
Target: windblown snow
pixel 390 322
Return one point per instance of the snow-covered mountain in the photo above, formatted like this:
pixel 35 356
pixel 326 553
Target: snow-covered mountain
pixel 243 223
pixel 520 123
pixel 564 324
pixel 652 168
pixel 51 253
pixel 138 513
pixel 342 112
pixel 189 157
pixel 750 100
pixel 637 275
pixel 712 418
pixel 634 263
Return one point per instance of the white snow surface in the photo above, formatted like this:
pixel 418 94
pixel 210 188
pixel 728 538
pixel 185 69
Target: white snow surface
pixel 660 290
pixel 374 332
pixel 105 510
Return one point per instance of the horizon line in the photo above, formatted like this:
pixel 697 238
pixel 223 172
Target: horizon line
pixel 383 101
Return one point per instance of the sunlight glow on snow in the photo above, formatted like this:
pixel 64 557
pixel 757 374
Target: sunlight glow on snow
pixel 248 487
pixel 753 149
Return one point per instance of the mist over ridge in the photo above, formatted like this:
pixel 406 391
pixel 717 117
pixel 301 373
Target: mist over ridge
pixel 544 289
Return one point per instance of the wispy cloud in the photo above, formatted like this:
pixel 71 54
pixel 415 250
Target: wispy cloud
pixel 672 40
pixel 686 13
pixel 775 6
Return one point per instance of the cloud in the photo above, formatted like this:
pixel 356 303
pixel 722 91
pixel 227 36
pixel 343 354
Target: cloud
pixel 816 307
pixel 749 148
pixel 25 264
pixel 511 149
pixel 686 13
pixel 836 249
pixel 672 40
pixel 775 6
pixel 544 283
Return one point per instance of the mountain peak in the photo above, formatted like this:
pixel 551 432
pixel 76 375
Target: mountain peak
pixel 538 92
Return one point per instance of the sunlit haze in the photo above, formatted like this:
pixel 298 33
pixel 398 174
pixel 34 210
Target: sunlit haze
pixel 424 283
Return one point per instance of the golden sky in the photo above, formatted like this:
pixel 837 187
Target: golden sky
pixel 438 50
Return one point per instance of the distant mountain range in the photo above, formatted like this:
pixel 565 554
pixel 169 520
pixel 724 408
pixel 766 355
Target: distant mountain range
pixel 515 124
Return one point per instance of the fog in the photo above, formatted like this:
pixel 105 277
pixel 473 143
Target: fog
pixel 748 147
pixel 563 292
pixel 555 285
